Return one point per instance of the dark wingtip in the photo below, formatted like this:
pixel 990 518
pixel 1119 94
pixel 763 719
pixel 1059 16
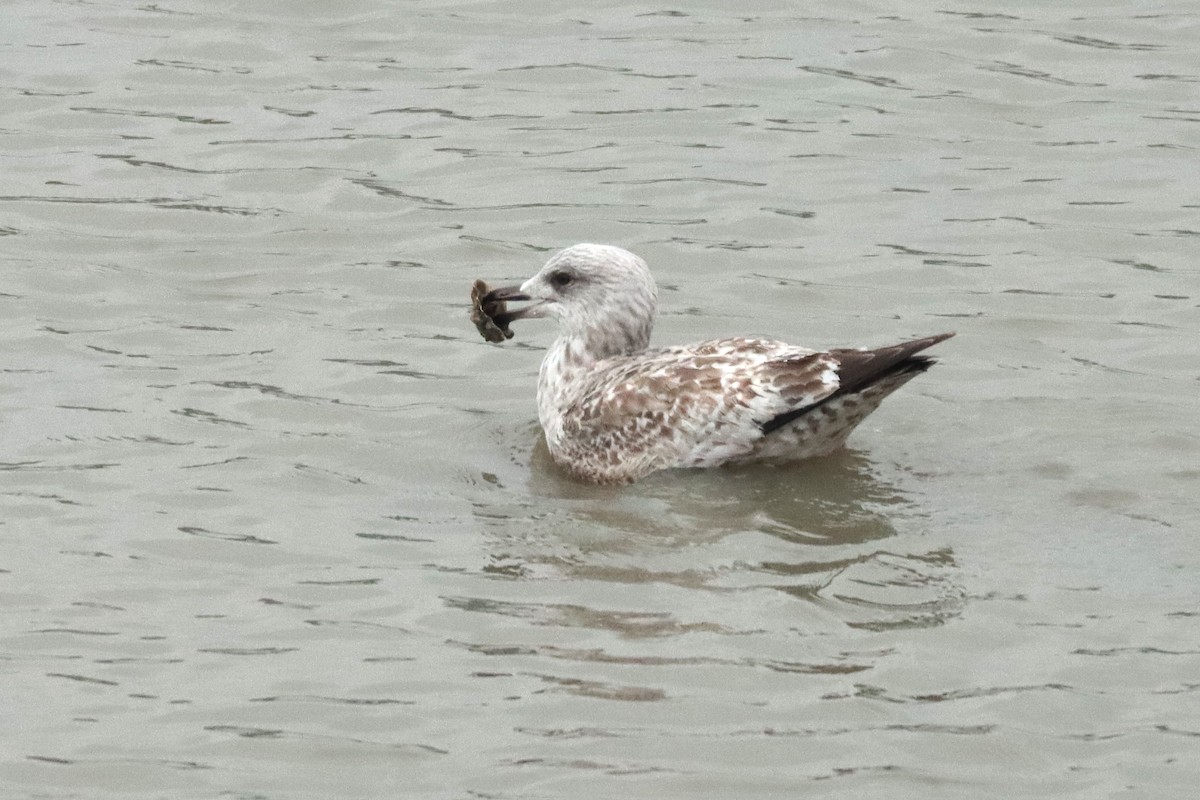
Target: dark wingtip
pixel 937 337
pixel 858 369
pixel 915 364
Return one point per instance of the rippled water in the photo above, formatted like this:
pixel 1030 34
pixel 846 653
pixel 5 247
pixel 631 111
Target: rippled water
pixel 278 523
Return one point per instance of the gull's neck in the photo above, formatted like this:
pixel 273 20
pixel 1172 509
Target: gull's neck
pixel 571 358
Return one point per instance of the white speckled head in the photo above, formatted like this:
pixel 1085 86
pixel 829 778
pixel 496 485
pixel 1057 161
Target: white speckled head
pixel 602 296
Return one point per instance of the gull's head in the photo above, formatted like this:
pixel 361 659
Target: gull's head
pixel 601 295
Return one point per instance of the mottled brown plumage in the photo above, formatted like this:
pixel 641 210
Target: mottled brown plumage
pixel 614 411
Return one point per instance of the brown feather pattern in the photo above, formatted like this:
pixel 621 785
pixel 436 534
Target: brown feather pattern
pixel 614 410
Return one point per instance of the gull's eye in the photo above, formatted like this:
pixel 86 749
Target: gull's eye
pixel 560 279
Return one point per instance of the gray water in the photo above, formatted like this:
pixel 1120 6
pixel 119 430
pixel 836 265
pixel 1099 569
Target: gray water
pixel 277 523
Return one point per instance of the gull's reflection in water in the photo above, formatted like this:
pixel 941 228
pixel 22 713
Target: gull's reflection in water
pixel 833 532
pixel 836 500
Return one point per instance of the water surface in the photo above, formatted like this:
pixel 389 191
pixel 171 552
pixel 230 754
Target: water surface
pixel 278 523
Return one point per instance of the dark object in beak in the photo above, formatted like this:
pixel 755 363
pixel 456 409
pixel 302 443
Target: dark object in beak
pixel 489 310
pixel 505 293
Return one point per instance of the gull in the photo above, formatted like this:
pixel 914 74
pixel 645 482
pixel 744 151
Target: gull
pixel 614 410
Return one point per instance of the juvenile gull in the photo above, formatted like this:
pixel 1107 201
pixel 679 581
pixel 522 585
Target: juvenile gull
pixel 614 411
